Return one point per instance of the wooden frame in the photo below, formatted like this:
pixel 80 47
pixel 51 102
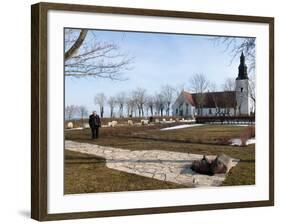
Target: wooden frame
pixel 39 110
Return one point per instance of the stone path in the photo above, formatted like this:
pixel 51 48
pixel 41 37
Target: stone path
pixel 162 165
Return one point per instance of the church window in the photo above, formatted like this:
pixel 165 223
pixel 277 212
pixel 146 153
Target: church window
pixel 241 89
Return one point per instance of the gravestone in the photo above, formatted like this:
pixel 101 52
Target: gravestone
pixel 86 125
pixel 144 122
pixel 112 124
pixel 69 125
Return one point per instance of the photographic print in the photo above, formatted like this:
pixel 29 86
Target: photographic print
pixel 141 111
pixel 154 111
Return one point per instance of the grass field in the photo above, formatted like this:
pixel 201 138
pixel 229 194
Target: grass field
pixel 84 174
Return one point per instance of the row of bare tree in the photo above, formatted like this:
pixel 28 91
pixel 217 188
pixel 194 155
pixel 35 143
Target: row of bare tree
pixel 72 111
pixel 138 102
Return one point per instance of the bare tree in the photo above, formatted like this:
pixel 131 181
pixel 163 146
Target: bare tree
pixel 199 84
pixel 229 86
pixel 159 103
pixel 130 105
pixel 150 104
pixel 111 103
pixel 75 43
pixel 139 95
pixel 179 88
pixel 213 90
pixel 120 100
pixel 212 87
pixel 82 110
pixel 235 46
pixel 100 100
pixel 70 111
pixel 85 55
pixel 168 94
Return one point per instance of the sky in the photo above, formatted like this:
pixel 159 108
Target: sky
pixel 159 59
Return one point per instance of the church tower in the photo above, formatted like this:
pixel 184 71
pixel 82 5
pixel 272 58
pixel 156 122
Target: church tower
pixel 242 89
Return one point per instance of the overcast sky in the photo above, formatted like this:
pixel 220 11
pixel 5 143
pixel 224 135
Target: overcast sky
pixel 159 59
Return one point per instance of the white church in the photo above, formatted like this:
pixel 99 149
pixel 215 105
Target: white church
pixel 229 103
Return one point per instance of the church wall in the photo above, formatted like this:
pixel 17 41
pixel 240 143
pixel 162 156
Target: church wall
pixel 209 111
pixel 190 111
pixel 180 108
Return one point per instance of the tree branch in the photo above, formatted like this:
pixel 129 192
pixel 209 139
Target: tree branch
pixel 71 51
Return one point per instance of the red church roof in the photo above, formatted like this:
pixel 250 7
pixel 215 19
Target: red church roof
pixel 211 99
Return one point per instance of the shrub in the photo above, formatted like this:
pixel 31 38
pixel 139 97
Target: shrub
pixel 246 134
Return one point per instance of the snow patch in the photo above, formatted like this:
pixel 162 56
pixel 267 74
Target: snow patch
pixel 238 142
pixel 181 126
pixel 72 129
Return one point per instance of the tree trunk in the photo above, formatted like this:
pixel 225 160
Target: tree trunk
pixel 71 51
pixel 168 109
pixel 101 112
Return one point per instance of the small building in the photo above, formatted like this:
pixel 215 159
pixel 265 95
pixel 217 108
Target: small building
pixel 230 103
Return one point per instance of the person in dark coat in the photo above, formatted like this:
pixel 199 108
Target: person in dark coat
pixel 95 124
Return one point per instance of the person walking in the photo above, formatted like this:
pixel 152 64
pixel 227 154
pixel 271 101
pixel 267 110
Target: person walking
pixel 95 124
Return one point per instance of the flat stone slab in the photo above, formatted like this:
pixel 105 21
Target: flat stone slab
pixel 162 165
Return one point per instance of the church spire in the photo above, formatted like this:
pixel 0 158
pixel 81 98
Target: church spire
pixel 242 74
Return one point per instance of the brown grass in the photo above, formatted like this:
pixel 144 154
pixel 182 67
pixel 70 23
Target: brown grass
pixel 199 140
pixel 212 134
pixel 87 174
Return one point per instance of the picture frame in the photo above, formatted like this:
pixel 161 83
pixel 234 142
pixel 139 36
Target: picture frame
pixel 40 23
